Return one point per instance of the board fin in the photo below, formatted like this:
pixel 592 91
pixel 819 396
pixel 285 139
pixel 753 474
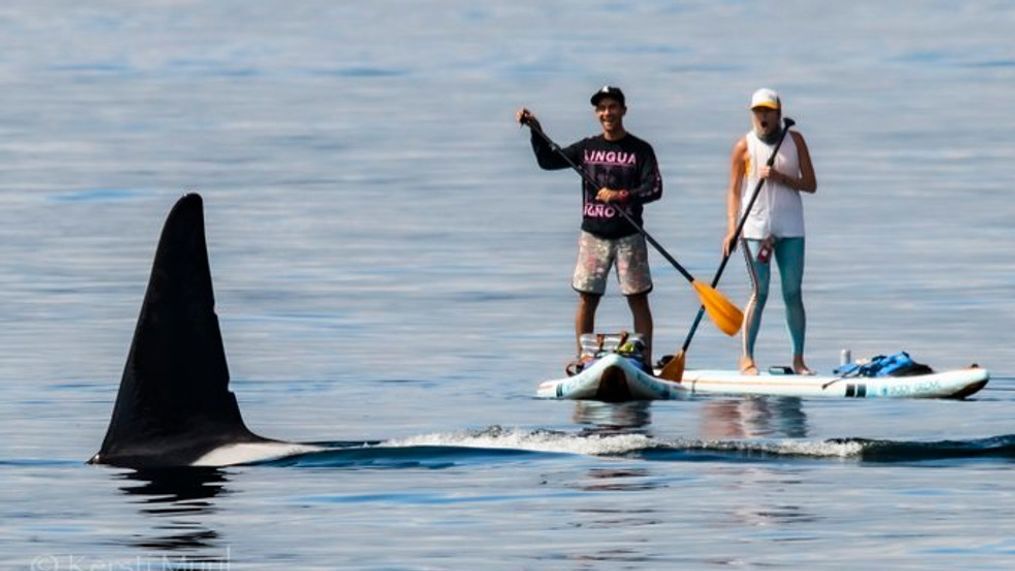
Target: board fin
pixel 174 403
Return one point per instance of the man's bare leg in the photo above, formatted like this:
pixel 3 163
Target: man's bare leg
pixel 642 322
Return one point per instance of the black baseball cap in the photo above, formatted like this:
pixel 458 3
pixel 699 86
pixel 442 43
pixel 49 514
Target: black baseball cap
pixel 609 91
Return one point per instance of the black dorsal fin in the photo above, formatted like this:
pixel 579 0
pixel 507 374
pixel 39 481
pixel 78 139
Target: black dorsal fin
pixel 174 403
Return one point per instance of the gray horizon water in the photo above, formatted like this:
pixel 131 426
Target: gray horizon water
pixel 391 265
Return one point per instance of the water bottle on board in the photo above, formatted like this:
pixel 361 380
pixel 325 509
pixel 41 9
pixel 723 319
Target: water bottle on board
pixel 845 357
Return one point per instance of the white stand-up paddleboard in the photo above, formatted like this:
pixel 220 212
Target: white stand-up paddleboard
pixel 616 378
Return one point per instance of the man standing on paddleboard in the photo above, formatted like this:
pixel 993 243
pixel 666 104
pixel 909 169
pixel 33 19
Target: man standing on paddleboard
pixel 627 176
pixel 775 225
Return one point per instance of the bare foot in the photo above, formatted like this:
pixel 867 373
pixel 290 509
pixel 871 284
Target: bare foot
pixel 747 366
pixel 800 368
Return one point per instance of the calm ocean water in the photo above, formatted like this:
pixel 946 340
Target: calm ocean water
pixel 391 273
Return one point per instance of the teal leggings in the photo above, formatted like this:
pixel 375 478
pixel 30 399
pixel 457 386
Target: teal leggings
pixel 789 255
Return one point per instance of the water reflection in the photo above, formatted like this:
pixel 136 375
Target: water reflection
pixel 605 418
pixel 618 480
pixel 181 500
pixel 753 417
pixel 762 497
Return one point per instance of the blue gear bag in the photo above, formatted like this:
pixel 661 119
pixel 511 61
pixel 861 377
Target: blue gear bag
pixel 895 365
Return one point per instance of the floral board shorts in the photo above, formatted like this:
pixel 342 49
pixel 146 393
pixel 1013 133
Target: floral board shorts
pixel 597 255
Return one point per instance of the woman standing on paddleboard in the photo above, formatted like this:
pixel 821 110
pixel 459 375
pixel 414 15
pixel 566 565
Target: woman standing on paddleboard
pixel 775 225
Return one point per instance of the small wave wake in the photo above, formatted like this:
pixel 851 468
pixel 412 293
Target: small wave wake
pixel 1000 447
pixel 499 444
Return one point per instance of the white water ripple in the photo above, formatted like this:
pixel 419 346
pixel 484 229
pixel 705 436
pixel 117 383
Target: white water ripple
pixel 622 444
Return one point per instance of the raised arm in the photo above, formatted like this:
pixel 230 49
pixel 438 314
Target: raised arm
pixel 546 157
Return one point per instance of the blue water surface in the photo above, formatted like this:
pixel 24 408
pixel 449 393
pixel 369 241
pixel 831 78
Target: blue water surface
pixel 392 277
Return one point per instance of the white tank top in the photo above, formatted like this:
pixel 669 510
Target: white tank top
pixel 778 211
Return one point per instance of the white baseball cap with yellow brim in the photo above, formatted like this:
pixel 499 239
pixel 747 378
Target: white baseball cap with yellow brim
pixel 766 98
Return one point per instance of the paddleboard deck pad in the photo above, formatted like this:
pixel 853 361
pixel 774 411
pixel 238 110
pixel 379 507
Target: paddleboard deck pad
pixel 615 378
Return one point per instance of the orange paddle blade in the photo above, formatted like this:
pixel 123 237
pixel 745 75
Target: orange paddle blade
pixel 674 369
pixel 726 316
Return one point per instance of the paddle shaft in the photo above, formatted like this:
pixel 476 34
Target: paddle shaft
pixel 736 234
pixel 588 180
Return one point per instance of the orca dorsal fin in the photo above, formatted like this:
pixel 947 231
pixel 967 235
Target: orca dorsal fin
pixel 174 403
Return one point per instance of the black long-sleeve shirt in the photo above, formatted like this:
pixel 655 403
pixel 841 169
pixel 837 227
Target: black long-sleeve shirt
pixel 628 164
